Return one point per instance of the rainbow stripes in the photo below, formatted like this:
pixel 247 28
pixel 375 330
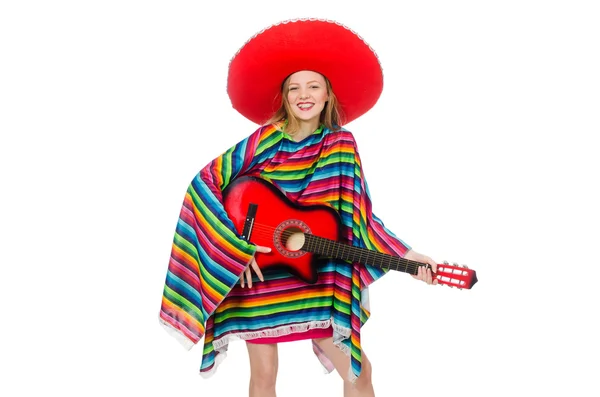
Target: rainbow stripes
pixel 202 296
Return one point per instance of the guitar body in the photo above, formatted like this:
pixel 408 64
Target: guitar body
pixel 279 224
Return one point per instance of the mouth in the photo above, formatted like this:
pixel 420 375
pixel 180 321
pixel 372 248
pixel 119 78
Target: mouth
pixel 305 106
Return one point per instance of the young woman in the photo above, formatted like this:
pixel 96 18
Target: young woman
pixel 322 76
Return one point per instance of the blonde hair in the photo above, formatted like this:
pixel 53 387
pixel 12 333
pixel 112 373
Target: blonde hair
pixel 330 115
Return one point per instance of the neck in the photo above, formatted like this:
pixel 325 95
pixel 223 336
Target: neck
pixel 306 129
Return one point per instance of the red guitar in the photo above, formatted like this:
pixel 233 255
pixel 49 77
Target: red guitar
pixel 298 235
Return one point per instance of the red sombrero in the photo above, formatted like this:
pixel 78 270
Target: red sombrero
pixel 259 68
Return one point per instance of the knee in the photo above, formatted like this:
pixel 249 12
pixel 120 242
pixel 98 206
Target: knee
pixel 365 380
pixel 264 377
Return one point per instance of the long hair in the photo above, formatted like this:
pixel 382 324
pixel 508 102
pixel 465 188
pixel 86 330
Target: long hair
pixel 330 115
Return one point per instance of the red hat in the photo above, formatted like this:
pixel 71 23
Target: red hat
pixel 259 68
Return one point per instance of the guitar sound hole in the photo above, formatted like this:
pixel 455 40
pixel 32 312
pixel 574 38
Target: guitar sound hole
pixel 292 239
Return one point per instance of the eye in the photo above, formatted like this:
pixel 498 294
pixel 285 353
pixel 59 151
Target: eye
pixel 315 86
pixel 293 88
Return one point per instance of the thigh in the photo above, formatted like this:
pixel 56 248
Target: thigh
pixel 264 358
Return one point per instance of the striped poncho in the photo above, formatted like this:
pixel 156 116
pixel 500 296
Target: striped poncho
pixel 202 295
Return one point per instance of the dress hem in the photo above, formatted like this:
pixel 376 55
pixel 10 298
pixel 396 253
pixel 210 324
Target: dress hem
pixel 339 334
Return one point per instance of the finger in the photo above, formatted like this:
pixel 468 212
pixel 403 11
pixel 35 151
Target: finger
pixel 260 248
pixel 427 274
pixel 257 270
pixel 433 265
pixel 242 279
pixel 248 277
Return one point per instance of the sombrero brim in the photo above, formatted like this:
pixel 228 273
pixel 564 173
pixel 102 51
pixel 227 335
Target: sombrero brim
pixel 259 68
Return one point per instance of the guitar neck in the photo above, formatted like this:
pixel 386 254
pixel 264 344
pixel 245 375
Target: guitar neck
pixel 337 250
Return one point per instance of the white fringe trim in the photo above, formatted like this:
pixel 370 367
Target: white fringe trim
pixel 339 334
pixel 177 334
pixel 221 345
pixel 218 360
pixel 271 333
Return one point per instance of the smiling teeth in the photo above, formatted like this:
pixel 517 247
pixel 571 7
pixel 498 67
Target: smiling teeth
pixel 305 106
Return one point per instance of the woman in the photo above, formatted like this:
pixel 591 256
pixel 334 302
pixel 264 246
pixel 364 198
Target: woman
pixel 322 75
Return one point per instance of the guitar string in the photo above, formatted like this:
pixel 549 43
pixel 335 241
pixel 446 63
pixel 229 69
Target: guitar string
pixel 266 231
pixel 410 267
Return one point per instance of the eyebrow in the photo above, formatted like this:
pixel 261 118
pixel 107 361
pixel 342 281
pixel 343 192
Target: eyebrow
pixel 308 82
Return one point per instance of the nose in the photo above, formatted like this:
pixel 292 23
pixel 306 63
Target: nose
pixel 304 95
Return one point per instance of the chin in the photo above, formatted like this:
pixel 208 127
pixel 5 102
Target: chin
pixel 307 118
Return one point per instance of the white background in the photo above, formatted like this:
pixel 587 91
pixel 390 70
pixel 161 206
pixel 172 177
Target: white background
pixel 482 151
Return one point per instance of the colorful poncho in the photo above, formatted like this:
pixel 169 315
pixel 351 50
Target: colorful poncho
pixel 202 295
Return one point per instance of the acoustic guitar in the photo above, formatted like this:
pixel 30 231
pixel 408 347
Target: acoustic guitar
pixel 300 235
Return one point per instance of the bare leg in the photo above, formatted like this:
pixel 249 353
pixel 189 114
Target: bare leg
pixel 263 369
pixel 363 387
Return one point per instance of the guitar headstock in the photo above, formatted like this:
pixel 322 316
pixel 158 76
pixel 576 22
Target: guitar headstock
pixel 455 276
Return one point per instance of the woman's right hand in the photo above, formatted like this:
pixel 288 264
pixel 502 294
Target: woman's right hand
pixel 254 266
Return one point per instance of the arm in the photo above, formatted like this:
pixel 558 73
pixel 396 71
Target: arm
pixel 207 255
pixel 374 235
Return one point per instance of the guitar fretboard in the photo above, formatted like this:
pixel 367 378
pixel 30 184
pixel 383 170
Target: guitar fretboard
pixel 334 249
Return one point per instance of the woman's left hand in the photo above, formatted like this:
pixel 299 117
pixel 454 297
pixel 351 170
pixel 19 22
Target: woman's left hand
pixel 423 273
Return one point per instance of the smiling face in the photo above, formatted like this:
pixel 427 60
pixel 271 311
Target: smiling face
pixel 307 96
